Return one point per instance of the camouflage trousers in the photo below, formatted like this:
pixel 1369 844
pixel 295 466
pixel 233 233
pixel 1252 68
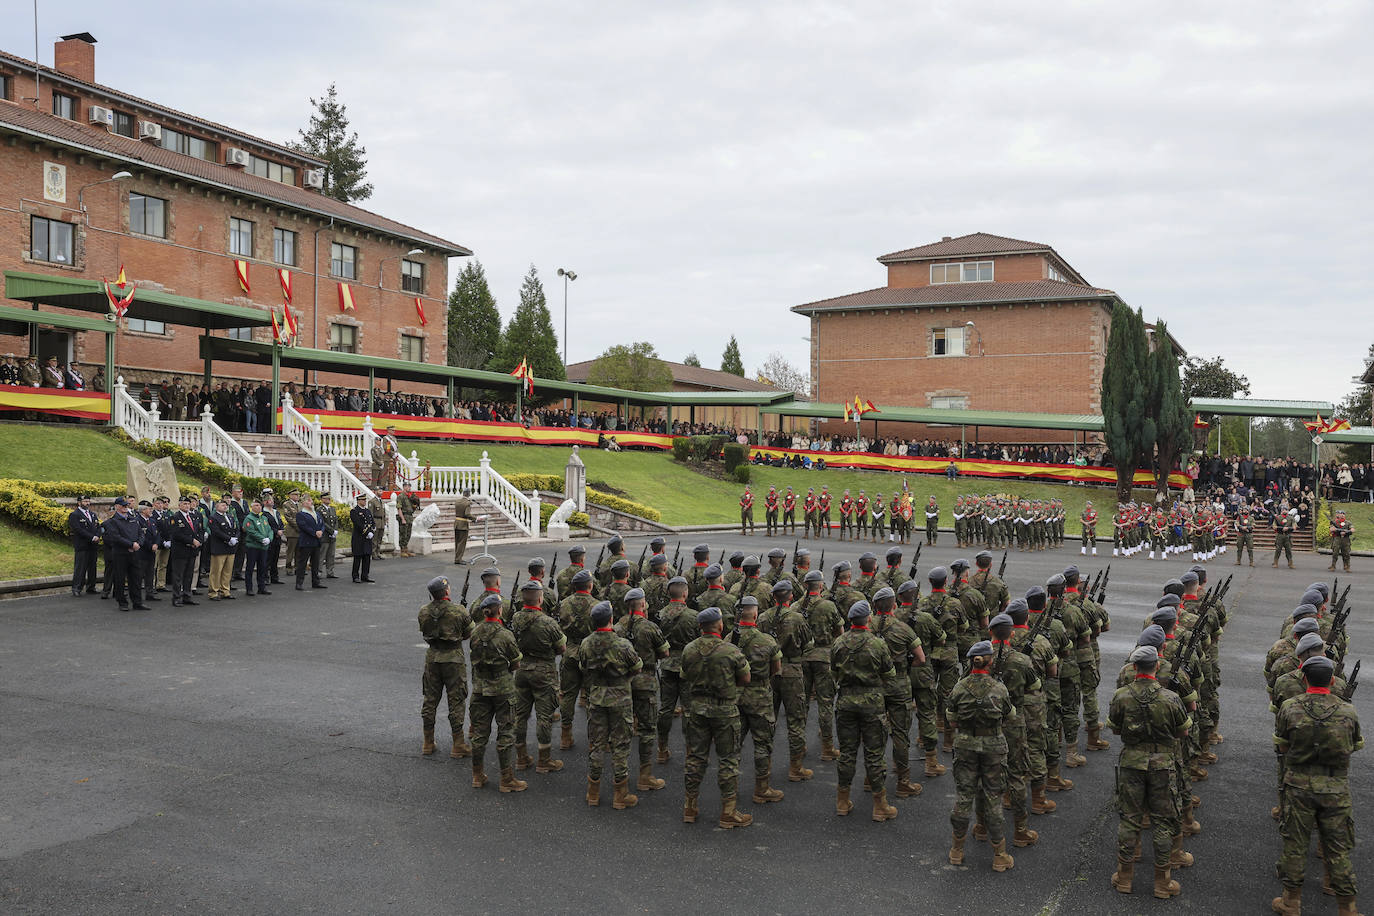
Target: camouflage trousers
pixel 1033 709
pixel 1088 679
pixel 898 705
pixel 486 710
pixel 440 678
pixel 644 699
pixel 669 693
pixel 535 690
pixel 701 732
pixel 819 685
pixel 761 724
pixel 853 726
pixel 608 731
pixel 811 523
pixel 1089 536
pixel 1329 814
pixel 1053 716
pixel 569 685
pixel 924 692
pixel 1018 765
pixel 946 676
pixel 789 694
pixel 978 780
pixel 1069 702
pixel 1147 792
pixel 1245 542
pixel 404 534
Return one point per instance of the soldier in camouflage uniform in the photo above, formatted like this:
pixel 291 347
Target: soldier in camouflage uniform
pixel 444 625
pixel 679 626
pixel 717 597
pixel 978 707
pixel 818 681
pixel 1089 657
pixel 615 550
pixel 495 658
pixel 1044 664
pixel 868 575
pixel 734 573
pixel 893 576
pixel 948 612
pixel 924 690
pixel 1017 673
pixel 1290 684
pixel 777 570
pixel 547 599
pixel 1078 637
pixel 1053 632
pixel 655 585
pixel 713 671
pixel 932 522
pixel 541 641
pixel 650 645
pixel 975 611
pixel 696 575
pixel 1317 732
pixel 861 662
pixel 656 547
pixel 757 716
pixel 575 616
pixel 1151 720
pixel 577 555
pixel 491 588
pixel 608 663
pixel 614 590
pixel 842 592
pixel 751 584
pixel 989 584
pixel 789 628
pixel 905 648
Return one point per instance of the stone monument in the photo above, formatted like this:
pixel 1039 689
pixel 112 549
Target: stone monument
pixel 421 540
pixel 575 480
pixel 147 480
pixel 558 529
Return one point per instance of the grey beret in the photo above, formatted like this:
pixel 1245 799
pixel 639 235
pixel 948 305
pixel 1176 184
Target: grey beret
pixel 884 593
pixel 937 574
pixel 1153 635
pixel 1001 620
pixel 979 648
pixel 982 555
pixel 749 601
pixel 490 571
pixel 619 565
pixel 437 586
pixel 777 553
pixel 710 615
pixel 602 614
pixel 713 572
pixel 910 585
pixel 1305 626
pixel 1319 663
pixel 658 559
pixel 677 580
pixel 536 563
pixel 1309 642
pixel 634 594
pixel 1304 610
pixel 859 610
pixel 782 587
pixel 814 575
pixel 893 552
pixel 959 564
pixel 1313 597
pixel 582 577
pixel 1147 654
pixel 489 602
pixel 1164 615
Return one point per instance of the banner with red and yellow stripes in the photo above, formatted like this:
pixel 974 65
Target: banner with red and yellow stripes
pixel 483 431
pixel 88 405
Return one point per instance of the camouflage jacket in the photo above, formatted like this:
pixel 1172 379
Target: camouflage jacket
pixel 564 579
pixel 902 642
pixel 861 663
pixel 679 625
pixel 723 601
pixel 614 592
pixel 608 662
pixel 977 707
pixel 1016 671
pixel 1041 654
pixel 575 616
pixel 444 625
pixel 893 576
pixel 844 595
pixel 1150 719
pixel 539 638
pixel 1317 733
pixel 649 644
pixel 761 651
pixel 1126 676
pixel 926 627
pixel 494 656
pixel 710 667
pixel 793 635
pixel 823 620
pixel 1291 685
pixel 992 588
pixel 948 612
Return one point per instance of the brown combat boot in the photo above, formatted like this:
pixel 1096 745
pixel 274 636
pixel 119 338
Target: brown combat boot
pixel 730 818
pixel 980 832
pixel 763 792
pixel 428 747
pixel 933 765
pixel 460 748
pixel 522 757
pixel 1290 904
pixel 546 762
pixel 1039 803
pixel 1124 875
pixel 1072 758
pixel 509 783
pixel 1000 860
pixel 689 808
pixel 1208 757
pixel 1165 887
pixel 647 781
pixel 828 749
pixel 882 811
pixel 796 772
pixel 1191 825
pixel 623 799
pixel 1177 857
pixel 1345 906
pixel 905 787
pixel 565 742
pixel 1095 740
pixel 842 803
pixel 956 850
pixel 479 774
pixel 1024 836
pixel 1055 783
pixel 593 792
pixel 947 744
pixel 663 752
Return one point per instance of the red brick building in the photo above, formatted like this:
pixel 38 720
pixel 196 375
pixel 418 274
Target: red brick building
pixel 978 322
pixel 199 196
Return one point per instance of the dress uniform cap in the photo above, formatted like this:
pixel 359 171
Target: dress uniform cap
pixel 1305 626
pixel 813 575
pixel 635 594
pixel 710 615
pixel 859 610
pixel 1153 635
pixel 142 503
pixel 1164 615
pixel 893 553
pixel 979 648
pixel 1304 610
pixel 581 577
pixel 602 614
pixel 713 571
pixel 1319 663
pixel 1313 597
pixel 884 593
pixel 1309 642
pixel 437 586
pixel 1001 620
pixel 1145 654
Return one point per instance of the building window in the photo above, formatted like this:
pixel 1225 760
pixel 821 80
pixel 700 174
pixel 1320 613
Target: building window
pixel 950 403
pixel 284 247
pixel 241 237
pixel 240 334
pixel 967 272
pixel 1054 274
pixel 50 240
pixel 189 145
pixel 147 326
pixel 412 348
pixel 948 342
pixel 148 215
pixel 123 124
pixel 264 168
pixel 343 261
pixel 343 338
pixel 413 277
pixel 4 86
pixel 64 106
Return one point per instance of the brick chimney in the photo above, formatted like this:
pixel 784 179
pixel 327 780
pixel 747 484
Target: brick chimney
pixel 74 55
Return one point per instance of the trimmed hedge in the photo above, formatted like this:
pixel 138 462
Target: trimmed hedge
pixel 742 473
pixel 1321 534
pixel 19 501
pixel 682 447
pixel 735 455
pixel 69 488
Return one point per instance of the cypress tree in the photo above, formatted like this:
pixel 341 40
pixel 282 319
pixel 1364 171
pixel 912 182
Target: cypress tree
pixel 1173 419
pixel 1125 394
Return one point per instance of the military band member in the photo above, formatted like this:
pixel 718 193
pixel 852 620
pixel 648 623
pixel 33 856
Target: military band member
pixel 1284 525
pixel 823 510
pixel 861 515
pixel 746 512
pixel 1244 527
pixel 789 511
pixel 846 515
pixel 770 512
pixel 811 513
pixel 1341 532
pixel 878 510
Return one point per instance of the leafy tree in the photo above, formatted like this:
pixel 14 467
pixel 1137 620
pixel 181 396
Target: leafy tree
pixel 691 360
pixel 1356 408
pixel 636 367
pixel 529 335
pixel 1128 428
pixel 345 158
pixel 730 360
pixel 1209 378
pixel 1172 417
pixel 781 374
pixel 474 324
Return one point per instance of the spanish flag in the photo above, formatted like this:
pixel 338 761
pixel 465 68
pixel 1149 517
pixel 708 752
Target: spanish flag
pixel 120 304
pixel 241 271
pixel 420 310
pixel 293 325
pixel 1333 425
pixel 284 276
pixel 123 280
pixel 346 298
pixel 524 373
pixel 848 412
pixel 1199 423
pixel 277 334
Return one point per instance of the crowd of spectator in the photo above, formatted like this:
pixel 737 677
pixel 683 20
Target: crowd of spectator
pixel 1265 503
pixel 1345 482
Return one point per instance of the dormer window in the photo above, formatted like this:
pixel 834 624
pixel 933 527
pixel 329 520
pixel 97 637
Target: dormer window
pixel 964 272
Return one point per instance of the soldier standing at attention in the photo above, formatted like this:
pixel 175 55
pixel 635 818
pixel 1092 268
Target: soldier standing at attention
pixel 978 706
pixel 679 627
pixel 770 512
pixel 878 509
pixel 577 555
pixel 541 641
pixel 809 517
pixel 1151 721
pixel 861 515
pixel 575 616
pixel 818 681
pixel 948 613
pixel 495 658
pixel 823 512
pixel 363 541
pixel 734 573
pixel 1017 673
pixel 463 518
pixel 757 716
pixel 289 510
pixel 1245 535
pixel 444 625
pixel 1283 536
pixel 905 648
pixel 789 511
pixel 1317 732
pixel 696 574
pixel 846 515
pixel 650 646
pixel 608 662
pixel 1043 662
pixel 407 507
pixel 615 550
pixel 746 512
pixel 989 584
pixel 1341 531
pixel 924 690
pixel 861 662
pixel 713 671
pixel 932 522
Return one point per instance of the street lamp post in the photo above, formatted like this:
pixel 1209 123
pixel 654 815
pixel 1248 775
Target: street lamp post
pixel 566 275
pixel 979 332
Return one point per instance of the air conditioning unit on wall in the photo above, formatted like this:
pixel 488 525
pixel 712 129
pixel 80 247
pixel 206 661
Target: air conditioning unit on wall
pixel 149 131
pixel 237 157
pixel 99 115
pixel 314 178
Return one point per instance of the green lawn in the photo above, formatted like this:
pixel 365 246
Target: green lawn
pixel 25 554
pixel 57 452
pixel 1361 515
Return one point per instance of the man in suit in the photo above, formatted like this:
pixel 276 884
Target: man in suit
pixel 462 518
pixel 85 529
pixel 187 537
pixel 310 535
pixel 330 519
pixel 238 508
pixel 274 519
pixel 364 538
pixel 151 539
pixel 224 540
pixel 162 514
pixel 206 508
pixel 123 534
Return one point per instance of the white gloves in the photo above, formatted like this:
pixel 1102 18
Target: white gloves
pixel 233 542
pixel 266 541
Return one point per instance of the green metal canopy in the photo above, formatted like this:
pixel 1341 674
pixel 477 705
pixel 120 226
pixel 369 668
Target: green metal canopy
pixel 1357 435
pixel 1259 407
pixel 150 304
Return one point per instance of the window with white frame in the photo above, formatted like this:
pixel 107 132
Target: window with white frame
pixel 950 403
pixel 1055 274
pixel 343 261
pixel 947 342
pixel 241 237
pixel 413 348
pixel 962 272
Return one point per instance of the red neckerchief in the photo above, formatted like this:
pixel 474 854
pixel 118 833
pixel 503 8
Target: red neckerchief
pixel 701 564
pixel 620 582
pixel 527 607
pixel 783 607
pixel 883 613
pixel 1001 642
pixel 1139 677
pixel 937 591
pixel 1318 689
pixel 580 591
pixel 578 565
pixel 980 671
pixel 751 623
pixel 1168 636
pixel 812 594
pixel 1019 626
pixel 1072 590
pixel 605 629
pixel 719 588
pixel 711 633
pixel 859 626
pixel 492 619
pixel 637 613
pixel 494 591
pixel 869 574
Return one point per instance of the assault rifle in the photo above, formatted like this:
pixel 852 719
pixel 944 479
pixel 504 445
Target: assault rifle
pixel 554 568
pixel 467 581
pixel 597 567
pixel 676 553
pixel 721 561
pixel 1352 682
pixel 796 545
pixel 1101 596
pixel 1092 586
pixel 1340 602
pixel 1002 568
pixel 1182 666
pixel 637 573
pixel 1337 631
pixel 514 590
pixel 911 573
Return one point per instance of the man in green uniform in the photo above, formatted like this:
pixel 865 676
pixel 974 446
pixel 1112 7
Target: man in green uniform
pixel 735 572
pixel 617 585
pixel 861 662
pixel 989 584
pixel 679 627
pixel 1053 632
pixel 978 707
pixel 495 658
pixel 789 628
pixel 717 597
pixel 1284 524
pixel 948 613
pixel 444 625
pixel 1341 532
pixel 407 507
pixel 924 689
pixel 975 611
pixel 1244 527
pixel 608 663
pixel 1017 673
pixel 818 681
pixel 713 671
pixel 1151 721
pixel 575 616
pixel 757 716
pixel 540 640
pixel 932 522
pixel 650 645
pixel 1044 663
pixel 577 555
pixel 1290 684
pixel 1089 673
pixel 746 512
pixel 905 648
pixel 841 591
pixel 893 575
pixel 696 573
pixel 1317 732
pixel 615 551
pixel 1078 637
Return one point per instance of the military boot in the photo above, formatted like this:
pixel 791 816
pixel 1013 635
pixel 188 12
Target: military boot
pixel 947 744
pixel 764 793
pixel 1191 825
pixel 594 791
pixel 1095 741
pixel 1125 874
pixel 623 799
pixel 565 742
pixel 1039 803
pixel 1055 783
pixel 1345 906
pixel 1178 858
pixel 460 748
pixel 905 787
pixel 1165 887
pixel 956 850
pixel 933 765
pixel 1290 904
pixel 648 782
pixel 689 808
pixel 828 749
pixel 522 757
pixel 479 774
pixel 1208 757
pixel 842 803
pixel 980 832
pixel 1000 860
pixel 1024 836
pixel 1072 758
pixel 509 783
pixel 882 811
pixel 796 772
pixel 663 752
pixel 428 747
pixel 730 818
pixel 546 762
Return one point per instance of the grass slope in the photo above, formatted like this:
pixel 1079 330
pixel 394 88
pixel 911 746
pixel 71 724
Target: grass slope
pixel 25 554
pixel 57 451
pixel 1361 515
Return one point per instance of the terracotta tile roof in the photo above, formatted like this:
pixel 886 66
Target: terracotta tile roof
pixel 973 243
pixel 957 294
pixel 19 119
pixel 686 375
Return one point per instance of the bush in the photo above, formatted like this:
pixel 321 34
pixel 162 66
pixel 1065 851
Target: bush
pixel 681 447
pixel 742 473
pixel 19 501
pixel 1321 532
pixel 704 447
pixel 735 455
pixel 541 482
pixel 623 505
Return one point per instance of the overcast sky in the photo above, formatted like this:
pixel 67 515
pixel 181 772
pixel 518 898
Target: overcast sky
pixel 705 166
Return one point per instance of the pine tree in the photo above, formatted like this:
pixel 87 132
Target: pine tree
pixel 345 158
pixel 1125 392
pixel 1172 416
pixel 529 335
pixel 730 361
pixel 691 360
pixel 474 324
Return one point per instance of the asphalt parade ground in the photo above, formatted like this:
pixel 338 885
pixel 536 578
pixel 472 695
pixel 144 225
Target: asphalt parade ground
pixel 263 756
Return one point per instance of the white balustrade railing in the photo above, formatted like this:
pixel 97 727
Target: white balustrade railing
pixel 128 414
pixel 319 477
pixel 348 486
pixel 343 444
pixel 298 429
pixel 185 433
pixel 452 481
pixel 516 506
pixel 220 447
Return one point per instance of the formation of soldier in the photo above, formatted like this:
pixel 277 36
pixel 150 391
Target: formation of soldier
pixel 1001 521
